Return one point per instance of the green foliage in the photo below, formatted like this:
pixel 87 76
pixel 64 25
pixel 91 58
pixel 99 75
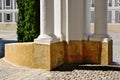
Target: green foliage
pixel 28 20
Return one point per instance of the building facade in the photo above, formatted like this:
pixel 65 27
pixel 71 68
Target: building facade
pixel 8 14
pixel 113 11
pixel 9 11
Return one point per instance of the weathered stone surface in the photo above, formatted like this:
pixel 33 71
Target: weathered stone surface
pixel 74 51
pixel 35 55
pixel 91 52
pixel 57 54
pixel 20 54
pixel 50 56
pixel 42 56
pixel 106 54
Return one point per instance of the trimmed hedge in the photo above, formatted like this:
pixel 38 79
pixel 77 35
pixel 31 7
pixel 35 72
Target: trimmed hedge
pixel 28 20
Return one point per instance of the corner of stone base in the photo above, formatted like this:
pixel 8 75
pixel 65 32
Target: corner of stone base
pixel 107 53
pixel 35 55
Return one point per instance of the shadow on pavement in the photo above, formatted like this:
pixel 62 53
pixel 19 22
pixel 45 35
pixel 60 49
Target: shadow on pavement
pixel 2 46
pixel 71 67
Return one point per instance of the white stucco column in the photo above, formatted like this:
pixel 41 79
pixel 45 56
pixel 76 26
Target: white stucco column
pixel 2 4
pixel 75 19
pixel 57 18
pixel 87 15
pixel 64 19
pixel 13 17
pixel 13 4
pixel 46 23
pixel 2 16
pixel 100 30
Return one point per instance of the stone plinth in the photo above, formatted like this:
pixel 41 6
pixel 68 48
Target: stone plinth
pixel 88 52
pixel 107 53
pixel 74 51
pixel 35 55
pixel 48 57
pixel 91 52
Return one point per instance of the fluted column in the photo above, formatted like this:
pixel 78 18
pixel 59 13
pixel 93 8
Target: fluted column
pixel 100 31
pixel 46 23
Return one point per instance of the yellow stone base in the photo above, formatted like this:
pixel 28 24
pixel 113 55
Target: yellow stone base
pixel 73 52
pixel 51 56
pixel 88 52
pixel 35 55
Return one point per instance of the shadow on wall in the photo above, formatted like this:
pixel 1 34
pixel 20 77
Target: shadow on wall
pixel 2 46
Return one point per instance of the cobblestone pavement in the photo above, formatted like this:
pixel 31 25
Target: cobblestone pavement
pixel 64 72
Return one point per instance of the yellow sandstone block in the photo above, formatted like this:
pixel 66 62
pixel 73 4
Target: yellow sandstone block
pixel 91 52
pixel 35 55
pixel 20 54
pixel 74 51
pixel 51 56
pixel 106 54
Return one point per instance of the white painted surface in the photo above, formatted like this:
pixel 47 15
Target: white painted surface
pixel 76 19
pixel 46 23
pixel 57 19
pixel 100 30
pixel 87 32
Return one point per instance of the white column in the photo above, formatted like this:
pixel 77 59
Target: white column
pixel 57 19
pixel 13 17
pixel 113 11
pixel 13 4
pixel 2 5
pixel 100 31
pixel 2 11
pixel 87 33
pixel 2 16
pixel 64 19
pixel 76 20
pixel 46 23
pixel 113 16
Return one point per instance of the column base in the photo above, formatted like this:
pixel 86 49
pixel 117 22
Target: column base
pixel 46 39
pixel 95 37
pixel 86 37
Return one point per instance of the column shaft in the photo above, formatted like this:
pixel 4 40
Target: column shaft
pixel 100 30
pixel 87 32
pixel 64 18
pixel 13 16
pixel 2 4
pixel 101 17
pixel 57 18
pixel 42 17
pixel 76 20
pixel 2 16
pixel 46 22
pixel 13 4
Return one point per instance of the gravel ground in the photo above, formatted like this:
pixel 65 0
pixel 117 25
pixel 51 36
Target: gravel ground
pixel 64 72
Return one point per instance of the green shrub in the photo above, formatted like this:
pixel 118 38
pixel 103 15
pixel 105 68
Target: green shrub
pixel 28 20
